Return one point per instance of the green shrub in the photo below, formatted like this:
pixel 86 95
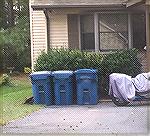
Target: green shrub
pixel 5 79
pixel 125 61
pixel 27 70
pixel 64 59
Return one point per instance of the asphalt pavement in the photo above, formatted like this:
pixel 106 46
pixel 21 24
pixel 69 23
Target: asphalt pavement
pixel 103 118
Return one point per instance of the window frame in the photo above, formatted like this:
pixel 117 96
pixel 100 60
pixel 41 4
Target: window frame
pixel 100 13
pixel 115 32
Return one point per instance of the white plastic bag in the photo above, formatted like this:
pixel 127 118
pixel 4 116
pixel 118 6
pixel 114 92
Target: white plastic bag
pixel 142 82
pixel 121 86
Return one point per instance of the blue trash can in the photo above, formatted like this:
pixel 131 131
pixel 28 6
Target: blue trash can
pixel 41 87
pixel 63 87
pixel 87 86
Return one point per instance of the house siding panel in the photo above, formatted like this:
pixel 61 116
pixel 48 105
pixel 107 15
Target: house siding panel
pixel 58 31
pixel 38 34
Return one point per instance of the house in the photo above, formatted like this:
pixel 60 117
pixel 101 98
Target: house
pixel 92 25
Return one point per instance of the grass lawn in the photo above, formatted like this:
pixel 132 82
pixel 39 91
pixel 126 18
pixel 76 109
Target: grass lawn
pixel 12 99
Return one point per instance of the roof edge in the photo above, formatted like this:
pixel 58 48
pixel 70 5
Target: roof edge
pixel 134 2
pixel 77 6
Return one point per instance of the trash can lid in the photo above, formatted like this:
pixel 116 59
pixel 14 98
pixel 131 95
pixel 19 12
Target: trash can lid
pixel 62 74
pixel 40 74
pixel 81 71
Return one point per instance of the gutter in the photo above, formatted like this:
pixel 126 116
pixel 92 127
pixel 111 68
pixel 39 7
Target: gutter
pixel 46 6
pixel 47 27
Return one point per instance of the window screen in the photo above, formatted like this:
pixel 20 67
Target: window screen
pixel 113 31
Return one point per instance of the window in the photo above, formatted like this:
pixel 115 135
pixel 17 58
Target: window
pixel 87 32
pixel 113 31
pixel 139 27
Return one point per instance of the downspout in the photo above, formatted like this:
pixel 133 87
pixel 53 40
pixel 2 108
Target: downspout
pixel 130 31
pixel 31 36
pixel 47 28
pixel 96 36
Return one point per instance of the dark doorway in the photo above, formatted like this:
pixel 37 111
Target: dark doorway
pixel 139 27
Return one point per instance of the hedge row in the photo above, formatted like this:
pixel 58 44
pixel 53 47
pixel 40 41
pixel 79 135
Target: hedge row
pixel 125 61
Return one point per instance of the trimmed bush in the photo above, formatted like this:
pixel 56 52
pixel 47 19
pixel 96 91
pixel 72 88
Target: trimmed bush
pixel 125 61
pixel 64 59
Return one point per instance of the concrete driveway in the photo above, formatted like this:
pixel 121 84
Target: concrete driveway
pixel 102 118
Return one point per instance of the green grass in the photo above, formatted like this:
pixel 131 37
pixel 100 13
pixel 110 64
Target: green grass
pixel 12 100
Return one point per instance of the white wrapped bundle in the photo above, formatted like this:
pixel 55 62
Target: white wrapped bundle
pixel 121 86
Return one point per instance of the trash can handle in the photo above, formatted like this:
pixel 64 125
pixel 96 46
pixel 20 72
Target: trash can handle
pixel 85 78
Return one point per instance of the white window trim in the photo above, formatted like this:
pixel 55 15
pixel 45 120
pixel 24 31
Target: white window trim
pixel 130 31
pixel 96 33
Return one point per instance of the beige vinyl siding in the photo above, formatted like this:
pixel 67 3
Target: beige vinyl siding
pixel 58 31
pixel 38 34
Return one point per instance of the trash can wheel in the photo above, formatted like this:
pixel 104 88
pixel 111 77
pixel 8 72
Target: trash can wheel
pixel 118 101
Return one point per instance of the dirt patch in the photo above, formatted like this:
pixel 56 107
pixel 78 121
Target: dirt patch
pixel 20 76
